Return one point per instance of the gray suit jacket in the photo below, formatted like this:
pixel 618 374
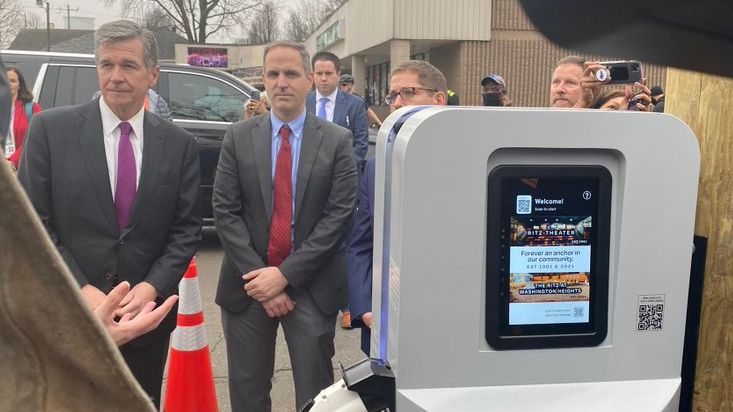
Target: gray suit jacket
pixel 64 172
pixel 325 193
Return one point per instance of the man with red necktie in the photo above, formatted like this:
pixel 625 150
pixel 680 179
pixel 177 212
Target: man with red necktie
pixel 117 188
pixel 283 196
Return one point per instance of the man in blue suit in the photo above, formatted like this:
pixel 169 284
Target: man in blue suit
pixel 346 110
pixel 330 103
pixel 413 83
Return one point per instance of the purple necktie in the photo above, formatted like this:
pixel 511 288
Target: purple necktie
pixel 126 177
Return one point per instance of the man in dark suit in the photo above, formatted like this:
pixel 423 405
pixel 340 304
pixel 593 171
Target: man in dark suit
pixel 283 196
pixel 328 102
pixel 413 83
pixel 118 191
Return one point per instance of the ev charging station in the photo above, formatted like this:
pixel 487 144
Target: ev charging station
pixel 532 259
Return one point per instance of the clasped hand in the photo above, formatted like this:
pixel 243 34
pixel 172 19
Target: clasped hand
pixel 267 286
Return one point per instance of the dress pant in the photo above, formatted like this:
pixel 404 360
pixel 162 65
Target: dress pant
pixel 250 338
pixel 147 364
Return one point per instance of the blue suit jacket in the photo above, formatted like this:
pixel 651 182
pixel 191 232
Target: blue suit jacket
pixel 349 112
pixel 359 253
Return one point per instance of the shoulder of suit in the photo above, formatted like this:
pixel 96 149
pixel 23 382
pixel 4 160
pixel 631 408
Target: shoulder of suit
pixel 358 100
pixel 68 113
pixel 353 96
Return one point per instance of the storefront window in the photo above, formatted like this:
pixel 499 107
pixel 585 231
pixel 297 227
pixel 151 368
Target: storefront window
pixel 377 83
pixel 421 56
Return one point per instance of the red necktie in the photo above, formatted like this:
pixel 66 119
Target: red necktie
pixel 280 243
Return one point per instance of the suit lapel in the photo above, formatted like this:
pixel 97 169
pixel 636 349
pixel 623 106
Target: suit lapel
pixel 91 139
pixel 152 154
pixel 339 108
pixel 312 137
pixel 262 142
pixel 310 103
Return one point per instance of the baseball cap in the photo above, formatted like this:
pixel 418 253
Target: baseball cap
pixel 346 79
pixel 494 78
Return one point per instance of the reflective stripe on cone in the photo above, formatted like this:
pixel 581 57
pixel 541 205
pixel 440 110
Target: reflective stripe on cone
pixel 190 386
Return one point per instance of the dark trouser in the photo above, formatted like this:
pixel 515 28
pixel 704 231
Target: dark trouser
pixel 250 338
pixel 366 337
pixel 147 364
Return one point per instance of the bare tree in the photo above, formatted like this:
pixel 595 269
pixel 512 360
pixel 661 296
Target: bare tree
pixel 156 18
pixel 197 20
pixel 264 27
pixel 33 21
pixel 307 16
pixel 12 19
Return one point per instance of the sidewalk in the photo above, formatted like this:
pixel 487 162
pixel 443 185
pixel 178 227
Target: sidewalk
pixel 283 393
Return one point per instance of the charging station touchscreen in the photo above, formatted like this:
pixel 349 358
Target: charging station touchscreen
pixel 549 264
pixel 547 255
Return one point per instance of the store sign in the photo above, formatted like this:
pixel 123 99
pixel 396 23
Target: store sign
pixel 331 35
pixel 208 57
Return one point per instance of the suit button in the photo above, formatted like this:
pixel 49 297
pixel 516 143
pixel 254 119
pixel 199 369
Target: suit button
pixel 122 242
pixel 109 276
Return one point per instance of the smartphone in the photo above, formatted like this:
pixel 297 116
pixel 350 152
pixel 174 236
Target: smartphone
pixel 633 101
pixel 624 71
pixel 255 95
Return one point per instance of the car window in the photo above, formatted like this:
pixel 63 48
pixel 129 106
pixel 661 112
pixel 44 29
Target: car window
pixel 203 98
pixel 65 87
pixel 86 84
pixel 74 85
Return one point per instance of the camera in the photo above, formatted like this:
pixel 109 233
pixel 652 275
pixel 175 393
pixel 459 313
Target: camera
pixel 620 72
pixel 633 101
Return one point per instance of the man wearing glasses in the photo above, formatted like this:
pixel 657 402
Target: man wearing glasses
pixel 413 83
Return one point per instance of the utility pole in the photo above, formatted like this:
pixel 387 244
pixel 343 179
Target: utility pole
pixel 68 14
pixel 41 3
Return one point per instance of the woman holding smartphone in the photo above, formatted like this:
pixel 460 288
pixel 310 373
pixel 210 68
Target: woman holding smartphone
pixel 257 104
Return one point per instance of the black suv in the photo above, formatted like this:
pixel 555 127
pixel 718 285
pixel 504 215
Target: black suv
pixel 201 100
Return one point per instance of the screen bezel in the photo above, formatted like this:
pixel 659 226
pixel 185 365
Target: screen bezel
pixel 501 335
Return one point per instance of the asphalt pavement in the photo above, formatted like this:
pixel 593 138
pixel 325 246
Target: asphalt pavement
pixel 208 261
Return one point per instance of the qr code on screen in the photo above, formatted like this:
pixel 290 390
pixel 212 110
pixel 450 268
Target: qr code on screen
pixel 650 317
pixel 524 204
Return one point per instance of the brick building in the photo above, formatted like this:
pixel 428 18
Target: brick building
pixel 466 39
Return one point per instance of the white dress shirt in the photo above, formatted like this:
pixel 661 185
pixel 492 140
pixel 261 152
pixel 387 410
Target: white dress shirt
pixel 111 133
pixel 330 104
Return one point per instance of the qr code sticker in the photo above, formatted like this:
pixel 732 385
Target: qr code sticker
pixel 578 312
pixel 524 204
pixel 651 313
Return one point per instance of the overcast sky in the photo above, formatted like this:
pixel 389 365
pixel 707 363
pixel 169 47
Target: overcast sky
pixel 101 14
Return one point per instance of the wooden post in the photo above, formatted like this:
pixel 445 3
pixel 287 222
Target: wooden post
pixel 705 103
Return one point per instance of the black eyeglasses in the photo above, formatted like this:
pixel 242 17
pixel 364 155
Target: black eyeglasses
pixel 406 93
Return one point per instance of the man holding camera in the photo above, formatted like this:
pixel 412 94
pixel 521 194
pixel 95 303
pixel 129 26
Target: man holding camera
pixel 565 88
pixel 577 83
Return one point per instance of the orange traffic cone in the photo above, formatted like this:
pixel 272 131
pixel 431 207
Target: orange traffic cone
pixel 190 384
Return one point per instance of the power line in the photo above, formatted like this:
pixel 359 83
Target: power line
pixel 68 10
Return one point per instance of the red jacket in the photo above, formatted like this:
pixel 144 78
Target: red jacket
pixel 20 127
